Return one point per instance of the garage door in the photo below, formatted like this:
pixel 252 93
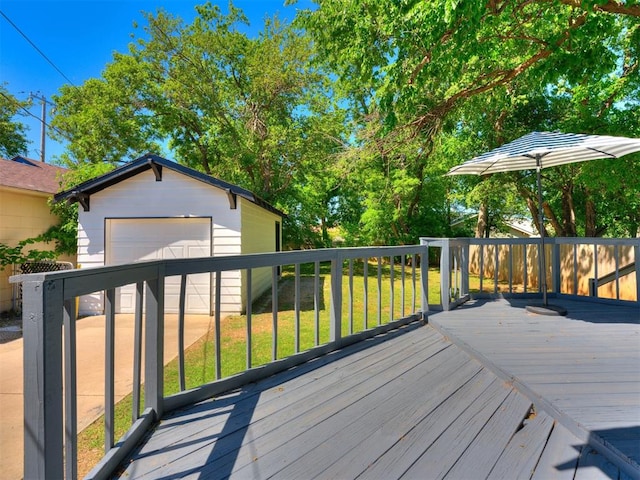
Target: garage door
pixel 131 240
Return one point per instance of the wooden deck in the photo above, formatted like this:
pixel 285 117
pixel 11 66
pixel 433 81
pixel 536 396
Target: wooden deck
pixel 415 404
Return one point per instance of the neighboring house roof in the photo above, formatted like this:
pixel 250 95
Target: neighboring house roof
pixel 521 227
pixel 81 193
pixel 26 174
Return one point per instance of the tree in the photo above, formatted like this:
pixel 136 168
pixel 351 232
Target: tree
pixel 257 112
pixel 13 140
pixel 431 65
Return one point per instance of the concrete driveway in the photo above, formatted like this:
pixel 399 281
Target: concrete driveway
pixel 90 367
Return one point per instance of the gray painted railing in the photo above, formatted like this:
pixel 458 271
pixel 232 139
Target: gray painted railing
pixel 571 261
pixel 49 312
pixel 50 324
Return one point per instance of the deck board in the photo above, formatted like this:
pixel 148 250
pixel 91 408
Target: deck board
pixel 417 404
pixel 584 366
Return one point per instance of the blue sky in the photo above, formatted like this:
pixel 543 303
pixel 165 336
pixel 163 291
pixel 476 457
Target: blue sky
pixel 80 36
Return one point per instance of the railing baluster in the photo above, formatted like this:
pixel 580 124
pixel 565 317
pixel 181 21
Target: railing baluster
pixel 414 259
pixel 402 278
pixel 595 266
pixel 335 327
pixel 274 313
pixel 296 309
pixel 365 275
pixel 525 272
pixel 217 323
pixel 316 302
pixel 481 249
pixel 70 391
pixel 510 268
pixel 181 311
pixel 616 255
pixel 109 366
pixel 575 268
pixel 350 306
pixel 249 312
pixel 137 352
pixel 391 287
pixel 496 266
pixel 379 290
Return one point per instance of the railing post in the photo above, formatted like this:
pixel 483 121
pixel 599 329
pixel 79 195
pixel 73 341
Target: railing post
pixel 335 332
pixel 464 281
pixel 445 273
pixel 424 280
pixel 43 405
pixel 636 259
pixel 154 344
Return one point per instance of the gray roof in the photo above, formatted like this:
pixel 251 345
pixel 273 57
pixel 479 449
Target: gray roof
pixel 157 163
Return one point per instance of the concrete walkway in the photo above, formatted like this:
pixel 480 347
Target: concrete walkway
pixel 90 365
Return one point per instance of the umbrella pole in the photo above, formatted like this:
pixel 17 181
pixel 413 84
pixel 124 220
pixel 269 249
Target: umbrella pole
pixel 544 308
pixel 542 260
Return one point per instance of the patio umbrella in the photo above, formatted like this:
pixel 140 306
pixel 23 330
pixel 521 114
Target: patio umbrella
pixel 538 150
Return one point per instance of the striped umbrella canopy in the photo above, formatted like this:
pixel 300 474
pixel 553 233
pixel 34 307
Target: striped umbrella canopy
pixel 538 150
pixel 547 149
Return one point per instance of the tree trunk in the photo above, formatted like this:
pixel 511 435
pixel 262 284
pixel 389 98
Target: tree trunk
pixel 482 226
pixel 553 219
pixel 532 204
pixel 590 229
pixel 568 212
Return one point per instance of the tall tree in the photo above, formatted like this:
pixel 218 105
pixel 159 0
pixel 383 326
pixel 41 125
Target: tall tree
pixel 254 111
pixel 427 61
pixel 13 139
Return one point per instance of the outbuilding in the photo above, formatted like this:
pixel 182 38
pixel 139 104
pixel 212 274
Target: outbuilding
pixel 154 208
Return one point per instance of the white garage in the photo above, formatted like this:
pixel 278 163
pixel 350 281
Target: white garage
pixel 152 209
pixel 130 240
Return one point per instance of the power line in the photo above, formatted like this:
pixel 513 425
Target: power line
pixel 26 111
pixel 36 48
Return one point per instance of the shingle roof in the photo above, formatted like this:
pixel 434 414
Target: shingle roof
pixel 27 174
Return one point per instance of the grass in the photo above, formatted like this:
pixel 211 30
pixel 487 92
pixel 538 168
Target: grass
pixel 200 357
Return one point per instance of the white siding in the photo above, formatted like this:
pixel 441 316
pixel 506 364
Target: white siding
pixel 175 196
pixel 258 235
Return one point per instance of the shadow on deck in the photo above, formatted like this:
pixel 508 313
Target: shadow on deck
pixel 478 394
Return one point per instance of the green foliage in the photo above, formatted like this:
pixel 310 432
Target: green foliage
pixel 473 75
pixel 348 119
pixel 257 112
pixel 17 255
pixel 13 136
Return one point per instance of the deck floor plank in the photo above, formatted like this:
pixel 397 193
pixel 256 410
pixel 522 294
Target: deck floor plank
pixel 522 453
pixel 415 404
pixel 584 365
pixel 559 459
pixel 345 425
pixel 382 426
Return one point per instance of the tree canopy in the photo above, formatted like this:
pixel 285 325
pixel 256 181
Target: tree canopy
pixel 349 118
pixel 13 139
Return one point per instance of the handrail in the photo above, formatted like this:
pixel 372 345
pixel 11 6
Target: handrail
pixel 594 283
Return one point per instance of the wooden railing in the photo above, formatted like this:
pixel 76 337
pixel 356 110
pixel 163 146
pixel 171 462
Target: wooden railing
pixel 576 267
pixel 500 266
pixel 50 358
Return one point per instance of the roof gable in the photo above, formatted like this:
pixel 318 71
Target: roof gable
pixel 26 174
pixel 82 193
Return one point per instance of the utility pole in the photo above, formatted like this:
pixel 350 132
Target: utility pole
pixel 43 120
